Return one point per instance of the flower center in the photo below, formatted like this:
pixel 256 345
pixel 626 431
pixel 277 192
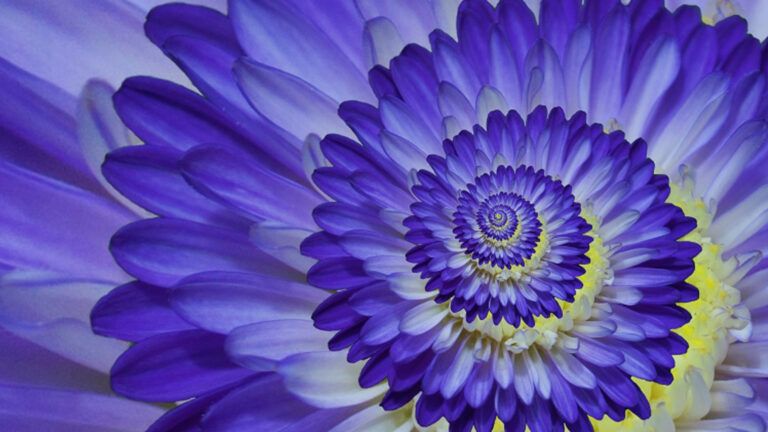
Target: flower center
pixel 499 236
pixel 521 247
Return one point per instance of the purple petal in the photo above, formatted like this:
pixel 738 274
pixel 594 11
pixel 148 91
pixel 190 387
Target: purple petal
pixel 220 302
pixel 70 246
pixel 163 251
pixel 136 172
pixel 231 180
pixel 175 366
pixel 28 409
pixel 261 345
pixel 136 311
pixel 111 47
pixel 277 34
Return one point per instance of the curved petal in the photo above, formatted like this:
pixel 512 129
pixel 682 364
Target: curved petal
pixel 241 185
pixel 277 34
pixel 326 380
pixel 265 405
pixel 261 345
pixel 221 302
pixel 67 246
pixel 175 366
pixel 111 46
pixel 164 251
pixel 136 311
pixel 37 409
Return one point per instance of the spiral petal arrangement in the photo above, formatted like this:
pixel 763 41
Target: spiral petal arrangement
pixel 501 220
pixel 492 187
pixel 524 220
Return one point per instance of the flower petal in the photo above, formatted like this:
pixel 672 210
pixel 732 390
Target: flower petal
pixel 326 380
pixel 175 366
pixel 220 302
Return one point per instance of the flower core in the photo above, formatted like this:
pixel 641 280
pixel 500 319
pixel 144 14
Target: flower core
pixel 523 242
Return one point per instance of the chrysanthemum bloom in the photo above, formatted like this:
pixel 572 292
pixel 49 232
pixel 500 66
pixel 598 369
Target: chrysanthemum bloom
pixel 538 221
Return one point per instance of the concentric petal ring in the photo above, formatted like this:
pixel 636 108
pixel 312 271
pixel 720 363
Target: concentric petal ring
pixel 221 279
pixel 504 269
pixel 510 239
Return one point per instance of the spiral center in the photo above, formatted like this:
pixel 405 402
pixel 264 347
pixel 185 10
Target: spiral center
pixel 507 228
pixel 500 218
pixel 519 246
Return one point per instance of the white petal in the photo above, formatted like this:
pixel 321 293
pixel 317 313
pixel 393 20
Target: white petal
pixel 326 380
pixel 289 101
pixel 382 41
pixel 282 242
pixel 423 317
pixel 258 346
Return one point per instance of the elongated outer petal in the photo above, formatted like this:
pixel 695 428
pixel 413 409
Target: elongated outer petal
pixel 27 409
pixel 275 33
pixel 112 46
pixel 403 152
pixel 188 415
pixel 202 43
pixel 37 128
pixel 414 20
pixel 70 246
pixel 37 297
pixel 259 193
pixel 72 340
pixel 658 70
pixel 163 251
pixel 165 21
pixel 51 310
pixel 326 380
pixel 283 98
pixel 328 15
pixel 135 311
pixel 399 119
pixel 260 345
pixel 270 407
pixel 24 363
pixel 151 108
pixel 135 171
pixel 99 131
pixel 175 366
pixel 606 85
pixel 382 41
pixel 220 301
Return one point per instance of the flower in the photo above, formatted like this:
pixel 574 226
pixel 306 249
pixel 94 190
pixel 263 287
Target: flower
pixel 473 361
pixel 538 223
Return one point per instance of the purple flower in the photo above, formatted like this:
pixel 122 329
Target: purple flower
pixel 467 365
pixel 518 221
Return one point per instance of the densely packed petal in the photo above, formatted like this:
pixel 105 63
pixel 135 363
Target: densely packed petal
pixel 447 217
pixel 508 304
